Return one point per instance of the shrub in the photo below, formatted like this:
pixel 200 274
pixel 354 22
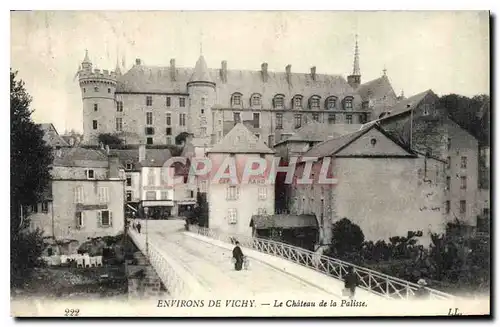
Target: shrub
pixel 26 248
pixel 347 237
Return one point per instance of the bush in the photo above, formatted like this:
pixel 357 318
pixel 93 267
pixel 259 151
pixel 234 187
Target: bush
pixel 109 139
pixel 347 237
pixel 26 249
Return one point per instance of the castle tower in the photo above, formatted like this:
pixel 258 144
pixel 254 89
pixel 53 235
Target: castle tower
pixel 98 97
pixel 354 80
pixel 202 97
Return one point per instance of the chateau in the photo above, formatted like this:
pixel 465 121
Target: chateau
pixel 151 105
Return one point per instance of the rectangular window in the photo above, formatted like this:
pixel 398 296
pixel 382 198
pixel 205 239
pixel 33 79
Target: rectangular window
pixel 34 208
pixel 129 181
pixel 448 162
pixel 236 117
pixel 169 130
pixel 182 102
pixel 236 99
pixel 103 194
pixel 298 120
pixel 182 119
pixel 448 144
pixel 331 118
pixel 149 118
pixel 94 124
pixel 348 119
pixel 262 193
pixel 128 166
pixel 463 208
pixel 168 101
pixel 149 100
pixel 119 106
pixel 256 120
pixel 169 119
pixel 279 121
pixel 261 211
pixel 203 131
pixel 448 182
pixel 119 124
pixel 232 193
pixel 463 162
pixel 45 207
pixel 463 182
pixel 315 103
pixel 151 177
pixel 79 194
pixel 79 220
pixel 105 218
pixel 256 100
pixel 96 107
pixel 232 216
pixel 149 130
pixel 204 186
pixel 151 195
pixel 447 207
pixel 129 196
pixel 164 195
pixel 316 117
pixel 149 140
pixel 169 140
pixel 90 174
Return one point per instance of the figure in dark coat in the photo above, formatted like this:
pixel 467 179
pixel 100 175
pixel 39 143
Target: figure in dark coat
pixel 238 257
pixel 139 228
pixel 351 281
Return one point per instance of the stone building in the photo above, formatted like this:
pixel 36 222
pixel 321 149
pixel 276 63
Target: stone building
pixel 378 183
pixel 151 104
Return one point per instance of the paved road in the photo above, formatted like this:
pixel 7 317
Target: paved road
pixel 212 267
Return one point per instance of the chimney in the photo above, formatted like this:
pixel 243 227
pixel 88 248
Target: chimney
pixel 172 69
pixel 138 62
pixel 142 152
pixel 223 71
pixel 114 167
pixel 313 73
pixel 288 69
pixel 263 71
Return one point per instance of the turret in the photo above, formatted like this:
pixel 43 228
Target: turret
pixel 202 95
pixel 98 96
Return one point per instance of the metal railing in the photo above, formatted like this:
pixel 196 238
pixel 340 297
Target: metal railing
pixel 176 280
pixel 370 280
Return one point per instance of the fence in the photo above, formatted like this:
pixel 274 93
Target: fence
pixel 176 280
pixel 370 280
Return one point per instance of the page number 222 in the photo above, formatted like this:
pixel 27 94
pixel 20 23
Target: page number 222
pixel 71 312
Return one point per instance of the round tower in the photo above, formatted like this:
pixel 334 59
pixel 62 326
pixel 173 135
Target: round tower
pixel 98 97
pixel 202 96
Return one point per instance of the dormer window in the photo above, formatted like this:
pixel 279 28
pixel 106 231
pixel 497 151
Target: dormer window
pixel 348 103
pixel 297 102
pixel 255 100
pixel 331 103
pixel 279 101
pixel 236 99
pixel 314 102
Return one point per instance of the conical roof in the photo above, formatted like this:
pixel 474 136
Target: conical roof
pixel 201 73
pixel 86 59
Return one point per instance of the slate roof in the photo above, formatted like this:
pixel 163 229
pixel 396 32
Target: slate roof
pixel 154 79
pixel 51 136
pixel 319 132
pixel 408 104
pixel 201 73
pixel 240 140
pixel 154 157
pixel 283 221
pixel 376 89
pixel 333 146
pixel 80 157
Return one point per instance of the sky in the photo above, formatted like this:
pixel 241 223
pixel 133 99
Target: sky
pixel 446 51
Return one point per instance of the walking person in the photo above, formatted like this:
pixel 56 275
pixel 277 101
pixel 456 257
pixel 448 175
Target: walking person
pixel 421 292
pixel 138 227
pixel 351 281
pixel 238 257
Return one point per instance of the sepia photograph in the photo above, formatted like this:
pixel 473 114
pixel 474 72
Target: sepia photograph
pixel 250 164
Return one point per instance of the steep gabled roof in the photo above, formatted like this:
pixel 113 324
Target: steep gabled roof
pixel 201 72
pixel 333 146
pixel 408 104
pixel 240 140
pixel 376 89
pixel 80 157
pixel 51 136
pixel 319 132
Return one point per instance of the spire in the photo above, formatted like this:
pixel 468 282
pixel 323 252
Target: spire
pixel 117 69
pixel 201 73
pixel 86 59
pixel 384 71
pixel 355 70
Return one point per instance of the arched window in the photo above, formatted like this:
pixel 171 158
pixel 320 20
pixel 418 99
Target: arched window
pixel 331 103
pixel 255 100
pixel 314 102
pixel 348 102
pixel 279 101
pixel 236 100
pixel 297 102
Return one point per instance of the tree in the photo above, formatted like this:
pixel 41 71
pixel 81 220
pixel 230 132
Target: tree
pixel 347 237
pixel 30 157
pixel 181 137
pixel 201 209
pixel 109 139
pixel 30 162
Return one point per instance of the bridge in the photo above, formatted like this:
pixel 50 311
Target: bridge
pixel 198 263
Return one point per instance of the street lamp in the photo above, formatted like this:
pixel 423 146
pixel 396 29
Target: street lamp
pixel 146 209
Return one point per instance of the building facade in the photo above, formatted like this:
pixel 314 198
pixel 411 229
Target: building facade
pixel 150 104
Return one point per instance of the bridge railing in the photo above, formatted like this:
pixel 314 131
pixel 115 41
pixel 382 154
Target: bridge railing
pixel 370 280
pixel 176 280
